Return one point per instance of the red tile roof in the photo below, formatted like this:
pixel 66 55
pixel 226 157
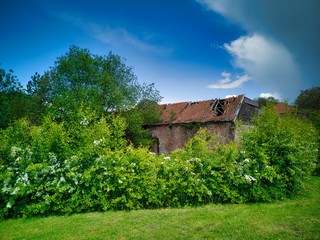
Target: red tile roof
pixel 283 107
pixel 213 110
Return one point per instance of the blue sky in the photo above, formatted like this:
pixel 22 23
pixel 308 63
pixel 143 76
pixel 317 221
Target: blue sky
pixel 191 49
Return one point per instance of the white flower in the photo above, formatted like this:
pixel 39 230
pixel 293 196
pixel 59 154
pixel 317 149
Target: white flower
pixel 25 178
pixel 18 159
pixel 120 181
pixel 246 160
pixel 38 194
pixel 84 122
pixel 9 205
pixel 167 158
pixel 15 191
pixel 97 142
pixel 15 151
pixel 249 178
pixel 52 157
pixel 99 159
pixel 5 189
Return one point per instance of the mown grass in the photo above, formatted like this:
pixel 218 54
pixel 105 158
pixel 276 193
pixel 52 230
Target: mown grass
pixel 297 218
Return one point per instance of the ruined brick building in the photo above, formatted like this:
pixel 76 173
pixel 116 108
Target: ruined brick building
pixel 180 121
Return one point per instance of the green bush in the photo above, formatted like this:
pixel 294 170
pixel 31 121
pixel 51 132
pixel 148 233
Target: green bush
pixel 85 165
pixel 282 152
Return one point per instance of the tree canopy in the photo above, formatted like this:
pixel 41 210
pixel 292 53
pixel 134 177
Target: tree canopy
pixel 103 83
pixel 14 103
pixel 309 99
pixel 82 80
pixel 263 102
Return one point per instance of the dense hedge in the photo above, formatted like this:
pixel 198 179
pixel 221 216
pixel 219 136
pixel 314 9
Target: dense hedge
pixel 86 166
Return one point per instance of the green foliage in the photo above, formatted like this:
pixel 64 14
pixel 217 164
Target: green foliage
pixel 102 83
pixel 292 219
pixel 37 89
pixel 309 99
pixel 138 118
pixel 308 105
pixel 45 169
pixel 283 152
pixel 86 165
pixel 14 102
pixel 264 102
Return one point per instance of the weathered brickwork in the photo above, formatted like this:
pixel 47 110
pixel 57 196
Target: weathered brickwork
pixel 169 138
pixel 180 121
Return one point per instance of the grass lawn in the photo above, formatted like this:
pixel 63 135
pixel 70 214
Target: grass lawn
pixel 298 218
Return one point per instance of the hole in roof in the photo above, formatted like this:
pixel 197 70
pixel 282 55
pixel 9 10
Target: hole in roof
pixel 219 105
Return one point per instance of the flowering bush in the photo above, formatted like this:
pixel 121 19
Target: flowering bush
pixel 282 151
pixel 86 165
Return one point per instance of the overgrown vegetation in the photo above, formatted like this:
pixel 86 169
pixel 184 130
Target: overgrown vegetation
pixel 86 165
pixel 78 79
pixel 308 106
pixel 296 218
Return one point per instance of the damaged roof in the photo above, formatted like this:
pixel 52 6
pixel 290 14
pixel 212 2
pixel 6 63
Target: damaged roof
pixel 213 110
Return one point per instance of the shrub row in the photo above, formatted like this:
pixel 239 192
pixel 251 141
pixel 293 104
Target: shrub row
pixel 87 166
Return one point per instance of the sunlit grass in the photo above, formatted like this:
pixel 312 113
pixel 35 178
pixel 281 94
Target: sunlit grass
pixel 289 219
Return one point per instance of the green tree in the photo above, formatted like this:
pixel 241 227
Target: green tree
pixel 101 83
pixel 14 102
pixel 309 99
pixel 38 88
pixel 145 113
pixel 263 102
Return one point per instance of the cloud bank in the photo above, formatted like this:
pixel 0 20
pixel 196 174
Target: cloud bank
pixel 269 63
pixel 281 50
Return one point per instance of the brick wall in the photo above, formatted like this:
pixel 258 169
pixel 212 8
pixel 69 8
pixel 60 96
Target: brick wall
pixel 169 138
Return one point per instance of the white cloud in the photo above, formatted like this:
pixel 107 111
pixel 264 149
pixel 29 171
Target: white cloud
pixel 269 63
pixel 281 50
pixel 228 83
pixel 268 95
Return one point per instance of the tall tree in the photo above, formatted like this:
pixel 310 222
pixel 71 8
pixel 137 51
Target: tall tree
pixel 309 99
pixel 104 83
pixel 82 79
pixel 14 102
